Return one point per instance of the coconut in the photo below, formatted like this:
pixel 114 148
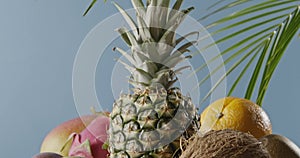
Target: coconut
pixel 280 146
pixel 224 144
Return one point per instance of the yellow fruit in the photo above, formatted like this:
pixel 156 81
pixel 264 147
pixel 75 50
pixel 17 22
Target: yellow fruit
pixel 238 114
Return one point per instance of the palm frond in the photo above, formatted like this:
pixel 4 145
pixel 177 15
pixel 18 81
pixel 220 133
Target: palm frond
pixel 284 35
pixel 262 30
pixel 230 5
pixel 90 7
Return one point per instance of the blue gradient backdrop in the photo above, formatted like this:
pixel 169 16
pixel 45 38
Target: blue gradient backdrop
pixel 38 43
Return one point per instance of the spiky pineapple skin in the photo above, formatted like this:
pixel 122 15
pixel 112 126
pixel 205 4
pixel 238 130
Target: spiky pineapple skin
pixel 162 113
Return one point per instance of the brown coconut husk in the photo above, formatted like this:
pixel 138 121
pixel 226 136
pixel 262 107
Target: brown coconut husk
pixel 224 144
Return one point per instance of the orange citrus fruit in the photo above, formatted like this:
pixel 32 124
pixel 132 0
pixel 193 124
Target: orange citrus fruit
pixel 238 114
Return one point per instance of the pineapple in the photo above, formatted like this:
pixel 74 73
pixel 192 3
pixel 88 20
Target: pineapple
pixel 152 120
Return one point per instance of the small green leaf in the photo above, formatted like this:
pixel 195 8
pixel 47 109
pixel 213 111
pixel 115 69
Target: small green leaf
pixel 105 145
pixel 89 7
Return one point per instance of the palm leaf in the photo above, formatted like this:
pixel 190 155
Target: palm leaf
pixel 90 7
pixel 281 42
pixel 273 26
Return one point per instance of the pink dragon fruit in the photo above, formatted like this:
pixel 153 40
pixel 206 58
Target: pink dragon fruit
pixel 89 142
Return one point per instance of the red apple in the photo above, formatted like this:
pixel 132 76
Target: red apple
pixel 58 137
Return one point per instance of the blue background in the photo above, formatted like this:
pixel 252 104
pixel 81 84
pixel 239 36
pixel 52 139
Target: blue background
pixel 39 40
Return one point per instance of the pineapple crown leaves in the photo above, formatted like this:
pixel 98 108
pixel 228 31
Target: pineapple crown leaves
pixel 152 26
pixel 152 40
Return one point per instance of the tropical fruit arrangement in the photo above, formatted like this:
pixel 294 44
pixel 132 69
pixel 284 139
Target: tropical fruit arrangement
pixel 156 120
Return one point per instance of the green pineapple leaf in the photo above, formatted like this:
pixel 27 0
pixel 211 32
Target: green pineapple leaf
pixel 262 32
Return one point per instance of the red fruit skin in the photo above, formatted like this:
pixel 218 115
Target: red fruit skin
pixel 58 136
pixel 96 133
